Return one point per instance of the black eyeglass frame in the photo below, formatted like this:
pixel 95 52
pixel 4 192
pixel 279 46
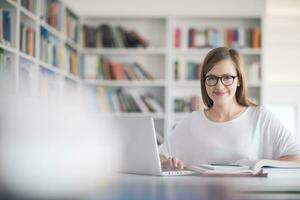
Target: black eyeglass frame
pixel 219 78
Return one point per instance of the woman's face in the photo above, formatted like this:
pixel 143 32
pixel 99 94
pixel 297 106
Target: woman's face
pixel 222 90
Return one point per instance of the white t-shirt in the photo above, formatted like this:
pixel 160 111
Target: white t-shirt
pixel 255 134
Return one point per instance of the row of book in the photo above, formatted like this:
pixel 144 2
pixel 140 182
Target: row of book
pixel 191 71
pixel 5 26
pixel 29 5
pixel 210 38
pixel 27 38
pixel 58 55
pixel 109 36
pixel 51 12
pixel 50 52
pixel 71 26
pixel 99 68
pixel 127 100
pixel 187 104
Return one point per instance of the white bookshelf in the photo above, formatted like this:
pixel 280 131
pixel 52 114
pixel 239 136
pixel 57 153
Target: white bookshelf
pixel 162 50
pixel 35 66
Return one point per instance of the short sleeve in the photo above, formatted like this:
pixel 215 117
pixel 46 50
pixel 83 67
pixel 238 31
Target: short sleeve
pixel 174 141
pixel 283 141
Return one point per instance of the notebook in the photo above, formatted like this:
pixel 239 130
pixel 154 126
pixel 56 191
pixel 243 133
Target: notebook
pixel 139 151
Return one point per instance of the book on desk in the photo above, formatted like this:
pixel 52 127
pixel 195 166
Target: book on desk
pixel 254 168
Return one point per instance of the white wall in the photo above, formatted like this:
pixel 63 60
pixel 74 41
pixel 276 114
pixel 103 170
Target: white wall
pixel 282 53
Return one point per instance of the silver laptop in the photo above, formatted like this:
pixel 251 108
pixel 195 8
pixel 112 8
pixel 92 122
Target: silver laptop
pixel 139 151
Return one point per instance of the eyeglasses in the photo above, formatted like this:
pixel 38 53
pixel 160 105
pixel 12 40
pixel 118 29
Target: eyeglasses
pixel 212 80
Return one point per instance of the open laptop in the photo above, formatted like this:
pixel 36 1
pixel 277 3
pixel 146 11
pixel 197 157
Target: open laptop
pixel 139 151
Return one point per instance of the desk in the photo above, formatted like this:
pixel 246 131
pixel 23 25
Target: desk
pixel 135 187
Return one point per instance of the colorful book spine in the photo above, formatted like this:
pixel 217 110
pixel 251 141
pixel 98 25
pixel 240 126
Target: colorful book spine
pixel 177 37
pixel 6 27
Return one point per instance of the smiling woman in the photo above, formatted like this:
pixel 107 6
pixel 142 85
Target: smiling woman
pixel 231 127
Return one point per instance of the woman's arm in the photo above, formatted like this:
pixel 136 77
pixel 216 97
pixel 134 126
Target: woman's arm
pixel 290 158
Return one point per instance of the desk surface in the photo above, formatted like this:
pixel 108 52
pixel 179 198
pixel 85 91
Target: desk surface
pixel 128 186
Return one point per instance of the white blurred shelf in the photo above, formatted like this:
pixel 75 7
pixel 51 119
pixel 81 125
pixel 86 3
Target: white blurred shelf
pixel 124 51
pixel 126 83
pixel 153 115
pixel 204 51
pixel 8 48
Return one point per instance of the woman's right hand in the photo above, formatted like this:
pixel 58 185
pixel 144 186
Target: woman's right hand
pixel 172 163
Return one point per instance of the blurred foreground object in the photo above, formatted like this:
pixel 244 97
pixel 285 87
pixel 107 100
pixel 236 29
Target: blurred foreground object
pixel 50 151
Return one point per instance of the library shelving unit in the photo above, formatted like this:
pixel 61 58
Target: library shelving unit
pixel 49 46
pixel 177 46
pixel 193 37
pixel 39 47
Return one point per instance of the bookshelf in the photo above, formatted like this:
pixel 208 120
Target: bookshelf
pixel 193 37
pixel 170 46
pixel 41 50
pixel 149 73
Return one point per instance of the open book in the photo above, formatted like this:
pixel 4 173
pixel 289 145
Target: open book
pixel 242 168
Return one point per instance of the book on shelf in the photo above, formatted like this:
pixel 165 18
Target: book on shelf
pixel 108 36
pixel 27 38
pixel 5 26
pixel 193 71
pixel 243 168
pixel 126 100
pixel 239 37
pixel 29 5
pixel 51 12
pixel 177 37
pixel 97 67
pixel 186 104
pixel 50 49
pixel 71 60
pixel 71 25
pixel 187 71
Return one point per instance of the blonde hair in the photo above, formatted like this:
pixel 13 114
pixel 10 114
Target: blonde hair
pixel 212 58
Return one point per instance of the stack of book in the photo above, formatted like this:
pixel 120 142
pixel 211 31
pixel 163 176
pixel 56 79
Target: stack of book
pixel 127 100
pixel 27 38
pixel 211 38
pixel 112 37
pixel 5 26
pixel 187 104
pixel 98 68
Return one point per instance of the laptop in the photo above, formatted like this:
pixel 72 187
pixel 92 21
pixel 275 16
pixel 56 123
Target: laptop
pixel 139 151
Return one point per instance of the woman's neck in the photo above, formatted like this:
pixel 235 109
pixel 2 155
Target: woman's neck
pixel 225 112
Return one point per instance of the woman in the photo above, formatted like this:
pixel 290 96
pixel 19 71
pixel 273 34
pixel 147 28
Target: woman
pixel 232 127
